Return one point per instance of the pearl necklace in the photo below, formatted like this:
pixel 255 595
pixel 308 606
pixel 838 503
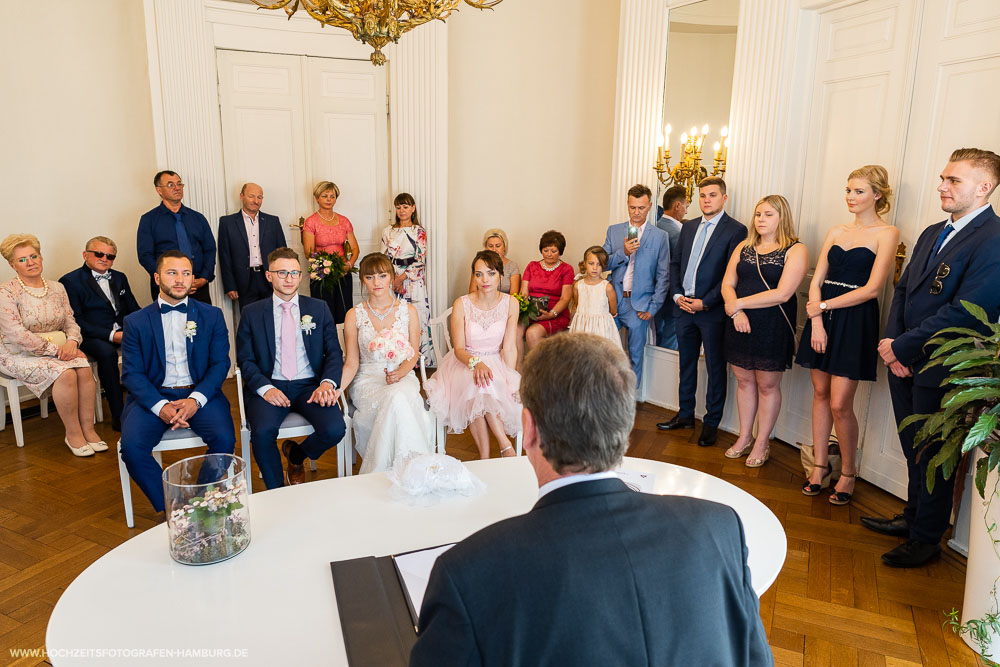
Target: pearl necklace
pixel 323 217
pixel 380 316
pixel 27 290
pixel 545 268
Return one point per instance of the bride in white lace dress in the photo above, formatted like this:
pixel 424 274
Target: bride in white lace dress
pixel 389 417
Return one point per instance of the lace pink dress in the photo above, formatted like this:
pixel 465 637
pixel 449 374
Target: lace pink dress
pixel 451 392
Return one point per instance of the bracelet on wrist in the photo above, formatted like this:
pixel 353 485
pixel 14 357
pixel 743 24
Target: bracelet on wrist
pixel 472 362
pixel 733 316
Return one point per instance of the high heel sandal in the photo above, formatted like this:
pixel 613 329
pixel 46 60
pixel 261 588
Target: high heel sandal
pixel 508 448
pixel 752 462
pixel 842 497
pixel 810 489
pixel 738 454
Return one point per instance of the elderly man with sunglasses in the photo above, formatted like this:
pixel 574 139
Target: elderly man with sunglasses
pixel 953 261
pixel 101 298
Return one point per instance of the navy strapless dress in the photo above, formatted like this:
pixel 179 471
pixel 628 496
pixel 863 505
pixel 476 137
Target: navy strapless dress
pixel 851 333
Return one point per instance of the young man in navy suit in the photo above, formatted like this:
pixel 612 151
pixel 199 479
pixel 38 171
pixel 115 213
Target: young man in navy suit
pixel 640 272
pixel 175 356
pixel 246 238
pixel 952 261
pixel 595 573
pixel 101 299
pixel 291 361
pixel 174 226
pixel 696 271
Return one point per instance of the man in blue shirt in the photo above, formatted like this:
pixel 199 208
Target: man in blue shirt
pixel 174 226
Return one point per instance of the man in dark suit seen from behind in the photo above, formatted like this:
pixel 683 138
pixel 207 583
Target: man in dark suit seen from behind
pixel 291 361
pixel 174 226
pixel 953 261
pixel 595 573
pixel 696 272
pixel 101 298
pixel 675 207
pixel 246 238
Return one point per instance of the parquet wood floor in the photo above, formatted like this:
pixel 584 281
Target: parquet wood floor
pixel 834 602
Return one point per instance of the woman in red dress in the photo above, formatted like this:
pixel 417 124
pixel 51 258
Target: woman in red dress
pixel 549 278
pixel 327 231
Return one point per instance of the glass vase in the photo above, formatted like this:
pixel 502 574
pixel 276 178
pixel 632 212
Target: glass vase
pixel 206 503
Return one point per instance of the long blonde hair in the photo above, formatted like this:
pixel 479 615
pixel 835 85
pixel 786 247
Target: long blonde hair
pixel 786 226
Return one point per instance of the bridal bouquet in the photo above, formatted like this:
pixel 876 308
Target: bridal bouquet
pixel 391 347
pixel 329 267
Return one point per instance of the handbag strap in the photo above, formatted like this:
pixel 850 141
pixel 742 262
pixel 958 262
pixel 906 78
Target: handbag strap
pixel 756 258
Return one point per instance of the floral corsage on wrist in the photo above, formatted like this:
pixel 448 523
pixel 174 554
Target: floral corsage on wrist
pixel 473 361
pixel 307 324
pixel 190 329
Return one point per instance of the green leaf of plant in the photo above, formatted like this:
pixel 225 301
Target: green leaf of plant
pixel 912 419
pixel 974 363
pixel 977 312
pixel 981 430
pixel 982 469
pixel 949 345
pixel 975 382
pixel 964 355
pixel 965 396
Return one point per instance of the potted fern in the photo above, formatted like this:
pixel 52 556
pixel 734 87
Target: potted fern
pixel 969 422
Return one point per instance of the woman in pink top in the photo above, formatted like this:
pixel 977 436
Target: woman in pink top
pixel 327 231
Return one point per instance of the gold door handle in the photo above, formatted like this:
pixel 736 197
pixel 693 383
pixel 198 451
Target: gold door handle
pixel 900 258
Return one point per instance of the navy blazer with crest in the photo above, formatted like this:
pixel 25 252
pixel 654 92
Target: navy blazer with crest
pixel 596 574
pixel 915 315
pixel 728 234
pixel 91 308
pixel 255 347
pixel 234 247
pixel 144 356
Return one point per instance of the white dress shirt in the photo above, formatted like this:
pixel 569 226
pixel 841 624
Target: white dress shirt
pixel 302 359
pixel 105 285
pixel 961 224
pixel 630 271
pixel 573 479
pixel 176 373
pixel 712 224
pixel 253 237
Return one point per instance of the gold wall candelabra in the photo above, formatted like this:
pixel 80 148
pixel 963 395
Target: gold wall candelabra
pixel 689 171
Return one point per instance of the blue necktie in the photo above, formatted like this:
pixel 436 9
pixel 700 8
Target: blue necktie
pixel 183 243
pixel 180 308
pixel 948 229
pixel 692 267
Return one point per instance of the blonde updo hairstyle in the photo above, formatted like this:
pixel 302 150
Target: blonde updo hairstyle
pixel 496 233
pixel 323 186
pixel 878 178
pixel 15 241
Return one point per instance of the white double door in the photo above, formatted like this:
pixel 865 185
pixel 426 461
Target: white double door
pixel 289 122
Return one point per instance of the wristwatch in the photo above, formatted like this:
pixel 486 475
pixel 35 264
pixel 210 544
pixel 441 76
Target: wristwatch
pixel 822 305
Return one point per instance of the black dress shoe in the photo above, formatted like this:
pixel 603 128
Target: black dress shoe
pixel 911 553
pixel 707 437
pixel 676 423
pixel 896 526
pixel 116 425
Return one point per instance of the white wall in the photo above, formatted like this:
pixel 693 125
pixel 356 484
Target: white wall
pixel 531 114
pixel 77 158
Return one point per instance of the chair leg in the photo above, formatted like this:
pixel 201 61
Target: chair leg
pixel 245 453
pixel 3 410
pixel 442 434
pixel 98 404
pixel 43 406
pixel 312 465
pixel 517 442
pixel 126 488
pixel 14 399
pixel 350 454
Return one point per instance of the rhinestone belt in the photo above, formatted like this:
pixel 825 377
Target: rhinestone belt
pixel 834 282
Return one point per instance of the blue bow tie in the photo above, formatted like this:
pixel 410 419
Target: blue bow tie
pixel 181 308
pixel 103 276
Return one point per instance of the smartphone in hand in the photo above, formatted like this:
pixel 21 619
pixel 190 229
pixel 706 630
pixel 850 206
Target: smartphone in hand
pixel 632 233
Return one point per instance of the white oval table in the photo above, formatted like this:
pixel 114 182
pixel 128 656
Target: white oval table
pixel 275 604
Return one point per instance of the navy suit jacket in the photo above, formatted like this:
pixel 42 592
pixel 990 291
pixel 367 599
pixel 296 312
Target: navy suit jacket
pixel 234 248
pixel 916 315
pixel 596 574
pixel 144 356
pixel 255 342
pixel 91 308
pixel 728 234
pixel 651 274
pixel 157 233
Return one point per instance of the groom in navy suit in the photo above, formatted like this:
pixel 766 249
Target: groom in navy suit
pixel 696 271
pixel 953 261
pixel 291 361
pixel 175 356
pixel 640 272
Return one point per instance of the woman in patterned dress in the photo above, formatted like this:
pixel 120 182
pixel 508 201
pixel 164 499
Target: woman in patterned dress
pixel 327 231
pixel 405 243
pixel 33 314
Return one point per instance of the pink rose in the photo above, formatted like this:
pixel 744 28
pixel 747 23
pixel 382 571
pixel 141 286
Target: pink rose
pixel 390 355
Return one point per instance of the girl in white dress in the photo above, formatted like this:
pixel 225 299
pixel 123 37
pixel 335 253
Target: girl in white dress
pixel 389 417
pixel 595 302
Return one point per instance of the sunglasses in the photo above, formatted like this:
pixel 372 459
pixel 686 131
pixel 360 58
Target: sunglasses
pixel 942 273
pixel 102 255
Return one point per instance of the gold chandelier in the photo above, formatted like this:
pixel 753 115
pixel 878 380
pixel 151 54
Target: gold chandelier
pixel 375 22
pixel 689 171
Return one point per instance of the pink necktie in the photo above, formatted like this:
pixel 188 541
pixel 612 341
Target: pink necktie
pixel 289 363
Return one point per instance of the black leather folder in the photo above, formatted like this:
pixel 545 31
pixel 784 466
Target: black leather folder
pixel 375 613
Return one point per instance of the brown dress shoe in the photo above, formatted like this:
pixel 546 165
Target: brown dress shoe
pixel 294 474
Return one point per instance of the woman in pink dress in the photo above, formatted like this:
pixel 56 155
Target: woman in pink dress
pixel 39 343
pixel 327 231
pixel 552 279
pixel 475 386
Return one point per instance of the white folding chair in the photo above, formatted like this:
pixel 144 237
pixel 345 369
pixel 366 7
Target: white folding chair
pixel 98 405
pixel 182 438
pixel 14 401
pixel 295 425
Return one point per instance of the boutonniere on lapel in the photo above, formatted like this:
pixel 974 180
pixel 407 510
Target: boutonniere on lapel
pixel 190 329
pixel 307 324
